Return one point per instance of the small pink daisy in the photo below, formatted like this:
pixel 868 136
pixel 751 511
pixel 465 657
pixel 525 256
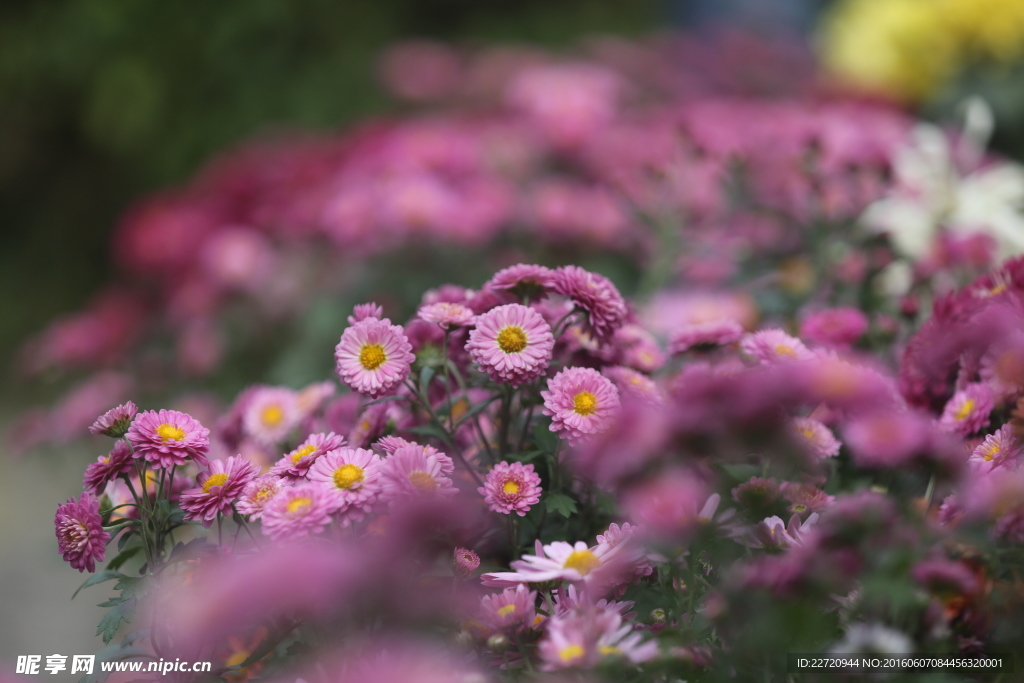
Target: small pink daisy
pixel 511 343
pixel 168 438
pixel 108 467
pixel 838 327
pixel 416 471
pixel 818 438
pixel 364 311
pixel 351 476
pixel 373 357
pixel 523 280
pixel 116 421
pixel 511 611
pixel 631 383
pixel 580 403
pixel 584 638
pixel 774 346
pixel 219 487
pixel 257 493
pixel 298 511
pixel 81 538
pixel 1002 366
pixel 511 488
pixel 446 314
pixel 968 410
pixel 270 414
pixel 464 562
pixel 1000 448
pixel 705 335
pixel 595 294
pixel 293 466
pixel 556 562
pixel 805 498
pixel 390 444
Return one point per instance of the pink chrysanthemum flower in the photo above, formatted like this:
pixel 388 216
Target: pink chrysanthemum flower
pixel 219 487
pixel 312 397
pixel 302 510
pixel 631 383
pixel 257 493
pixel 364 311
pixel 511 487
pixel 415 470
pixel 634 563
pixel 168 438
pixel 805 498
pixel 595 294
pixel 580 403
pixel 818 438
pixel 999 449
pixel 703 335
pixel 774 346
pixel 464 562
pixel 108 467
pixel 523 280
pixel 270 414
pixel 116 421
pixel 81 538
pixel 352 478
pixel 447 314
pixel 390 444
pixel 559 561
pixel 1002 366
pixel 509 612
pixel 968 410
pixel 295 465
pixel 373 356
pixel 585 638
pixel 511 343
pixel 838 327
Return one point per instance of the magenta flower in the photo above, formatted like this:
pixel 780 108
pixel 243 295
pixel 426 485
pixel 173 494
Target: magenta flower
pixel 295 465
pixel 351 476
pixel 511 343
pixel 595 294
pixel 968 410
pixel 81 538
pixel 585 638
pixel 633 384
pixel 511 488
pixel 116 421
pixel 1002 366
pixel 168 438
pixel 219 487
pixel 257 493
pixel 888 440
pixel 702 335
pixel 446 314
pixel 999 449
pixel 774 346
pixel 838 327
pixel 270 414
pixel 295 512
pixel 416 470
pixel 523 280
pixel 580 403
pixel 464 563
pixel 819 439
pixel 511 611
pixel 108 467
pixel 364 311
pixel 805 498
pixel 373 357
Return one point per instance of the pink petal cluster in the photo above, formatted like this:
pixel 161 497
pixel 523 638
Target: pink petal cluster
pixel 373 357
pixel 351 476
pixel 511 611
pixel 116 421
pixel 298 511
pixel 446 314
pixel 464 562
pixel 511 487
pixel 580 402
pixel 511 343
pixel 257 493
pixel 968 410
pixel 414 471
pixel 774 346
pixel 525 280
pixel 595 294
pixel 219 487
pixel 838 327
pixel 81 538
pixel 585 638
pixel 701 335
pixel 270 414
pixel 168 438
pixel 999 449
pixel 293 466
pixel 108 467
pixel 819 439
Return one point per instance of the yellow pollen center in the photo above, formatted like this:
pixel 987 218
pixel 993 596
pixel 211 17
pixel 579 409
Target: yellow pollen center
pixel 372 356
pixel 990 452
pixel 799 508
pixel 807 433
pixel 236 658
pixel 214 480
pixel 582 561
pixel 510 488
pixel 299 504
pixel 506 610
pixel 785 350
pixel 608 650
pixel 423 481
pixel 261 495
pixel 348 475
pixel 584 403
pixel 571 653
pixel 965 409
pixel 512 339
pixel 302 453
pixel 169 432
pixel 272 415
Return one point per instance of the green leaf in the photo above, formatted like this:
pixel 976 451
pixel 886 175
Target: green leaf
pixel 111 621
pixel 545 439
pixel 475 410
pixel 130 586
pixel 385 400
pixel 429 430
pixel 122 557
pixel 561 503
pixel 99 577
pixel 426 374
pixel 127 534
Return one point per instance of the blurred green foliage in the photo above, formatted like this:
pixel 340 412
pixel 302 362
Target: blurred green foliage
pixel 104 100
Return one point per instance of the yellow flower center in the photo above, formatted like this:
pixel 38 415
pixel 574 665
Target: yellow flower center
pixel 608 650
pixel 272 415
pixel 299 504
pixel 236 658
pixel 168 432
pixel 990 452
pixel 348 475
pixel 261 495
pixel 506 610
pixel 423 481
pixel 372 356
pixel 799 508
pixel 510 488
pixel 807 433
pixel 571 653
pixel 584 403
pixel 965 409
pixel 512 339
pixel 785 350
pixel 214 480
pixel 583 561
pixel 302 453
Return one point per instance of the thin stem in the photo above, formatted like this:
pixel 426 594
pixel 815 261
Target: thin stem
pixel 526 427
pixel 447 382
pixel 505 417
